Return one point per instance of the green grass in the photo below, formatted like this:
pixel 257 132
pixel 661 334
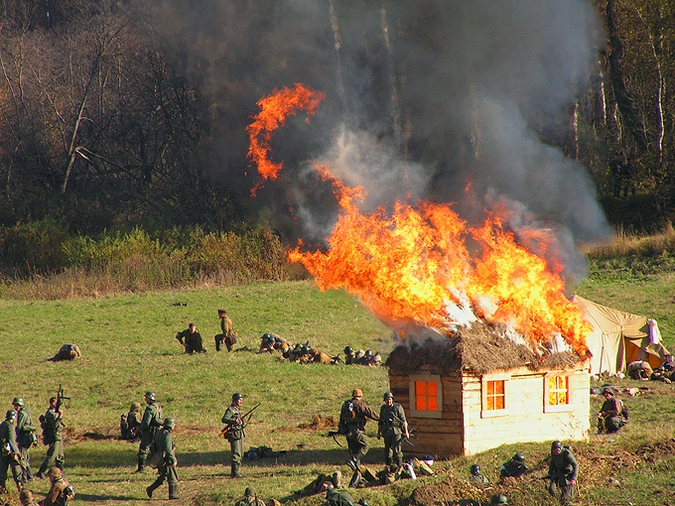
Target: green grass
pixel 128 348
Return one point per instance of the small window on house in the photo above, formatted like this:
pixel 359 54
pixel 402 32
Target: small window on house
pixel 557 393
pixel 426 398
pixel 494 395
pixel 495 398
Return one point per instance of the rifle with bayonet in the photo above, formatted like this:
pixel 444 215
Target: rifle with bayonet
pixel 229 428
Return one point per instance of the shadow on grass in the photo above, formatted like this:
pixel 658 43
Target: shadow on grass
pixel 99 498
pixel 94 457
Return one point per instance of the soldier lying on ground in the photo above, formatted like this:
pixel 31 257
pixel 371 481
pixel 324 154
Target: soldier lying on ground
pixel 270 343
pixel 67 352
pixel 321 484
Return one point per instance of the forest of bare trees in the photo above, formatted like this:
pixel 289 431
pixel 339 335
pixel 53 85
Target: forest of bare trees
pixel 115 114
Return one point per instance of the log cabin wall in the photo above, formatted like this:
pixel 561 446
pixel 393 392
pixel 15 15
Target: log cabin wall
pixel 464 427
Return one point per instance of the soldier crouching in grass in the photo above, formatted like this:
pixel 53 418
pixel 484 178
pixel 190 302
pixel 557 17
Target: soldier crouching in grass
pixel 163 445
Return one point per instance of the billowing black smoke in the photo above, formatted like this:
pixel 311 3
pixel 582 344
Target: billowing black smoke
pixel 423 98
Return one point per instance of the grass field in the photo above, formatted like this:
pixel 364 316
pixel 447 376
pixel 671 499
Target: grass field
pixel 128 348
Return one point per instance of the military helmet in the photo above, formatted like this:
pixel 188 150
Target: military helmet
pixel 169 423
pixel 135 406
pixel 18 400
pixel 498 499
pixel 348 350
pixel 250 491
pixel 151 396
pixel 519 457
pixel 556 445
pixel 55 472
pixel 10 414
pixel 357 392
pixel 369 353
pixel 236 396
pixel 388 395
pixel 475 469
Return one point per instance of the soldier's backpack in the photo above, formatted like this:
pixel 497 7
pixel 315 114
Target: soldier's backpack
pixel 48 432
pixel 347 416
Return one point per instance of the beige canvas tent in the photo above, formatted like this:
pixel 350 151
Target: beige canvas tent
pixel 619 338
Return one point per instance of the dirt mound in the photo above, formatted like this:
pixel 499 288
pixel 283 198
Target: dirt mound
pixel 319 422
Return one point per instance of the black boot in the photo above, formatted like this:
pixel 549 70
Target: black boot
pixel 173 491
pixel 149 490
pixel 356 480
pixel 141 465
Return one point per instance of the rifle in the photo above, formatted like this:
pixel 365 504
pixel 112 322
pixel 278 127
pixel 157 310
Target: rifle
pixel 228 428
pixel 15 455
pixel 335 433
pixel 60 398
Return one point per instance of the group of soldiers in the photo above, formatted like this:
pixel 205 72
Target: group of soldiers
pixel 360 357
pixel 192 341
pixel 17 435
pixel 562 473
pixel 302 353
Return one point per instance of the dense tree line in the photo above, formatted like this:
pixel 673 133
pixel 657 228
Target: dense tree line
pixel 104 125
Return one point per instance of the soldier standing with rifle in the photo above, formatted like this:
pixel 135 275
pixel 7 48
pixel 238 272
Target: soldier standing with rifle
pixel 353 417
pixel 9 452
pixel 52 435
pixel 163 444
pixel 394 427
pixel 152 420
pixel 25 436
pixel 235 432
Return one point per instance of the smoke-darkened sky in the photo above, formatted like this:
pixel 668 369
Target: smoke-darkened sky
pixel 422 97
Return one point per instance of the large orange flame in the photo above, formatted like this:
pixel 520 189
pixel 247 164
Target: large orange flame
pixel 274 109
pixel 409 264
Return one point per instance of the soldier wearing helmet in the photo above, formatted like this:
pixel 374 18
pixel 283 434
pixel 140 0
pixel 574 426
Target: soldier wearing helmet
pixel 475 475
pixel 236 433
pixel 25 435
pixel 9 452
pixel 60 492
pixel 350 355
pixel 394 427
pixel 513 468
pixel 250 498
pixel 151 422
pixel 353 417
pixel 163 441
pixel 498 500
pixel 130 421
pixel 562 471
pixel 52 435
pixel 612 415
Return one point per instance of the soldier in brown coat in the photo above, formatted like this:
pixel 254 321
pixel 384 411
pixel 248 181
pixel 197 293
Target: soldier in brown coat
pixel 353 417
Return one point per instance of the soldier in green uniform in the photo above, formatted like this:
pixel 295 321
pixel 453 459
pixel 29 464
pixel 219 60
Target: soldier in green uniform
pixel 52 435
pixel 336 497
pixel 562 471
pixel 250 499
pixel 10 457
pixel 163 444
pixel 152 420
pixel 393 426
pixel 353 417
pixel 25 436
pixel 236 433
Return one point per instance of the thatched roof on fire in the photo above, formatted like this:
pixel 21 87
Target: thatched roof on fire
pixel 480 349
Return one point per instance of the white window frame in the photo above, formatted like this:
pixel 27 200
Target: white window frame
pixel 429 378
pixel 493 413
pixel 558 408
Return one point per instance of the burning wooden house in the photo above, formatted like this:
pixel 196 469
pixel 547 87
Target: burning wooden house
pixel 478 390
